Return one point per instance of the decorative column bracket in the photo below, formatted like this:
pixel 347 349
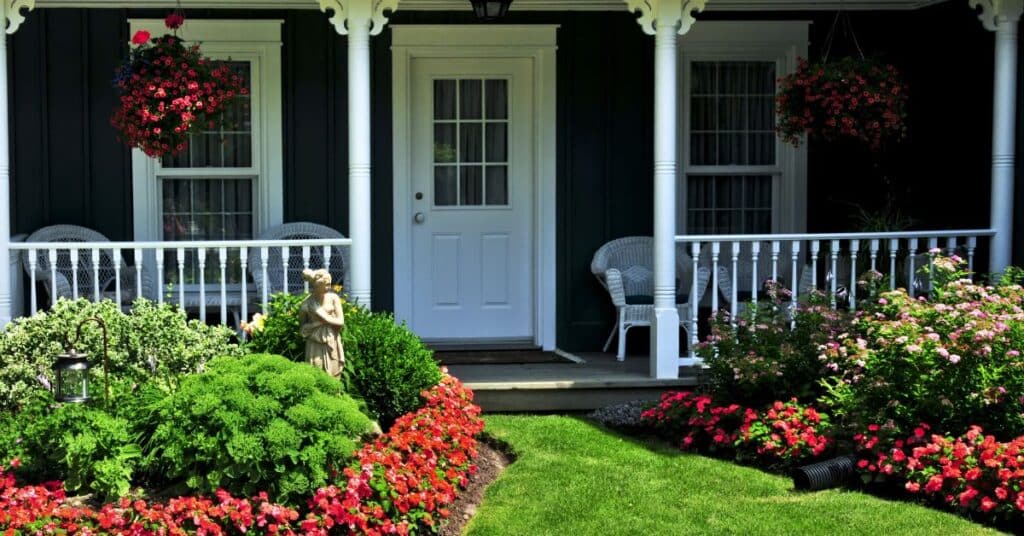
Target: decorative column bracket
pixel 347 12
pixel 12 13
pixel 679 13
pixel 992 11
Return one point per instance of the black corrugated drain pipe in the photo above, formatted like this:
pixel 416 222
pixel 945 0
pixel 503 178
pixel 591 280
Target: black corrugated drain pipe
pixel 824 475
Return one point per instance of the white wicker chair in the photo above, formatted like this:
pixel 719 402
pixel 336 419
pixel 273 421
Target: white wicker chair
pixel 625 268
pixel 339 266
pixel 67 272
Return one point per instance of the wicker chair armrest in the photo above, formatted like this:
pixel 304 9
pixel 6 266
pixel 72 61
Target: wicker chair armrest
pixel 613 282
pixel 59 288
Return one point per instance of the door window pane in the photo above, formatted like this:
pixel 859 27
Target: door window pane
pixel 471 129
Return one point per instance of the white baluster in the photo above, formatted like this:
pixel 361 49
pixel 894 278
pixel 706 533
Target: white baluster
pixel 716 248
pixel 264 258
pixel 874 254
pixel 933 245
pixel 305 266
pixel 74 273
pixel 181 278
pixel 755 251
pixel 795 252
pixel 138 273
pixel 117 275
pixel 694 338
pixel 160 274
pixel 912 275
pixel 951 246
pixel 32 263
pixel 223 253
pixel 327 262
pixel 834 251
pixel 243 255
pixel 854 250
pixel 776 248
pixel 95 274
pixel 894 248
pixel 53 276
pixel 733 306
pixel 815 250
pixel 285 255
pixel 972 244
pixel 201 255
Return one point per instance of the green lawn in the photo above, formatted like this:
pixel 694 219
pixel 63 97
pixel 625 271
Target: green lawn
pixel 576 478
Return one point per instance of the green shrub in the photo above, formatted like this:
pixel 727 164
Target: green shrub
pixel 88 449
pixel 153 341
pixel 770 351
pixel 387 364
pixel 278 332
pixel 258 423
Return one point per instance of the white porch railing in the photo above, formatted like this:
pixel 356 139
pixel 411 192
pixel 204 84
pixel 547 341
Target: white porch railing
pixel 828 262
pixel 226 276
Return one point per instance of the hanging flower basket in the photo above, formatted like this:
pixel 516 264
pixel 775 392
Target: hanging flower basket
pixel 169 90
pixel 849 99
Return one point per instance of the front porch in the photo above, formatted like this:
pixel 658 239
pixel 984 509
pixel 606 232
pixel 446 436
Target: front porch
pixel 367 175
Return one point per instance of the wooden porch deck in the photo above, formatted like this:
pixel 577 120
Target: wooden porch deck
pixel 599 381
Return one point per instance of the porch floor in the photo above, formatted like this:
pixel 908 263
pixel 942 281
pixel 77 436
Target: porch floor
pixel 599 381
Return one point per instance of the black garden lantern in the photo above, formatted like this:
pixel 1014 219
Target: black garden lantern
pixel 72 369
pixel 488 10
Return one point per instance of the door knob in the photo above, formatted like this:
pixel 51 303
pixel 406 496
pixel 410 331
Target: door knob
pixel 419 217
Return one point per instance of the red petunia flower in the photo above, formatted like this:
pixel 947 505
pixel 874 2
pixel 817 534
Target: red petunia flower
pixel 141 37
pixel 174 20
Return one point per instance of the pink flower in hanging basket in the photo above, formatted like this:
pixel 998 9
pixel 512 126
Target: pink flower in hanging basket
pixel 174 20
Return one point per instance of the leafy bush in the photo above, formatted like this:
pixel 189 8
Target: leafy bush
pixel 259 423
pixel 953 361
pixel 153 341
pixel 761 357
pixel 386 363
pixel 277 332
pixel 91 450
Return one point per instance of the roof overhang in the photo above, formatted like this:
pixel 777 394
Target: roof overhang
pixel 517 5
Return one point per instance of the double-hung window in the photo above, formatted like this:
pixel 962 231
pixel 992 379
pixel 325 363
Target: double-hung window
pixel 227 184
pixel 736 177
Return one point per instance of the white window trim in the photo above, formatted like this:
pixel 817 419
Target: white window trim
pixel 258 40
pixel 537 42
pixel 779 41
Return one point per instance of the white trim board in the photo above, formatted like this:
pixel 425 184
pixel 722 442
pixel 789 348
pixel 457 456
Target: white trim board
pixel 518 5
pixel 410 42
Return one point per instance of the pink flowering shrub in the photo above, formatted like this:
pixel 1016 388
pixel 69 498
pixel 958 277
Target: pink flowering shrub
pixel 785 433
pixel 953 360
pixel 973 473
pixel 759 355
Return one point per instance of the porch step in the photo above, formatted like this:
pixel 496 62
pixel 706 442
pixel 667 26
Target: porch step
pixel 497 397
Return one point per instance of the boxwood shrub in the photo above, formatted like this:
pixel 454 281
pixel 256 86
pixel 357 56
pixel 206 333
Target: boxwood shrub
pixel 256 423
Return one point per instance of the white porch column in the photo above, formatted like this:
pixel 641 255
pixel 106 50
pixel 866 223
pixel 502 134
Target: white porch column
pixel 10 19
pixel 665 19
pixel 359 19
pixel 1002 17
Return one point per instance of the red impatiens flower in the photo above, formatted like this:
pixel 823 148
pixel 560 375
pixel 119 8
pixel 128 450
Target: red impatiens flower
pixel 141 37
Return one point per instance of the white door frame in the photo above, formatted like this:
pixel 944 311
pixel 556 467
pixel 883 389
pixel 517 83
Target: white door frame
pixel 534 42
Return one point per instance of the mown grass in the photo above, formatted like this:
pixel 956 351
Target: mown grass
pixel 572 477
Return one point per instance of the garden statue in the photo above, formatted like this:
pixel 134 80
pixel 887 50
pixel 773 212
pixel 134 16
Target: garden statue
pixel 321 318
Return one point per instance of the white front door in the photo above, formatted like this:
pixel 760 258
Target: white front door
pixel 472 200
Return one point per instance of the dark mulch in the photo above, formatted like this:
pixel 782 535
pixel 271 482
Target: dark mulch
pixel 489 464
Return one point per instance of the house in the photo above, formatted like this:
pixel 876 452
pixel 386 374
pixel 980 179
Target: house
pixel 475 167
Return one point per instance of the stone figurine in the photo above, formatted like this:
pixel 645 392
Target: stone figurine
pixel 321 318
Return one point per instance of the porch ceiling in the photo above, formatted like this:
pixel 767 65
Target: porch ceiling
pixel 517 5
